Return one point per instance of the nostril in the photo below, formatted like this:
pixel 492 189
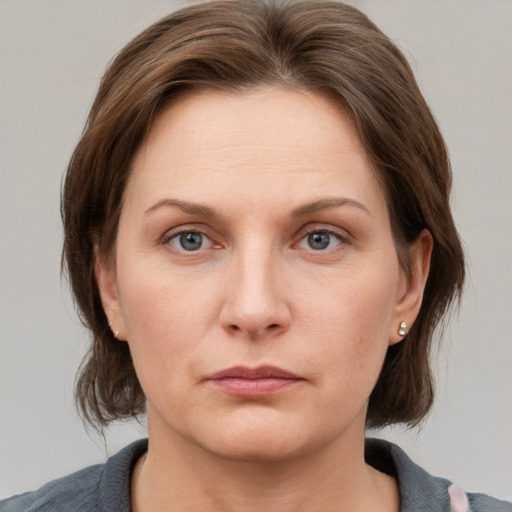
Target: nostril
pixel 255 331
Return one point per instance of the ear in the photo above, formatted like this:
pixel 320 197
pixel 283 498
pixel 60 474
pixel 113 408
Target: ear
pixel 411 292
pixel 107 284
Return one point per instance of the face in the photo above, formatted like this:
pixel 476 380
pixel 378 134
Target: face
pixel 256 279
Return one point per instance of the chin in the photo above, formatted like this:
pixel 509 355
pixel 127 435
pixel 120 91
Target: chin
pixel 265 442
pixel 262 449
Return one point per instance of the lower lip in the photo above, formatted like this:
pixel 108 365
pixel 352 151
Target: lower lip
pixel 254 388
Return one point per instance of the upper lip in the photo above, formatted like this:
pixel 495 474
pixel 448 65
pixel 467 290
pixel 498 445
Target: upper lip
pixel 261 372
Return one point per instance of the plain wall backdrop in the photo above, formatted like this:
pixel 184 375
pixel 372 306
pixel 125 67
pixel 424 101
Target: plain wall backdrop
pixel 52 55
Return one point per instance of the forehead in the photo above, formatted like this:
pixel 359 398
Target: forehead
pixel 268 117
pixel 282 139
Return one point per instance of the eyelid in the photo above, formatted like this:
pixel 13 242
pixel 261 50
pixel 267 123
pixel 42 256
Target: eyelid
pixel 342 234
pixel 179 230
pixel 188 228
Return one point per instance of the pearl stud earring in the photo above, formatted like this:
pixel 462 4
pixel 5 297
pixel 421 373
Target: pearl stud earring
pixel 402 329
pixel 116 333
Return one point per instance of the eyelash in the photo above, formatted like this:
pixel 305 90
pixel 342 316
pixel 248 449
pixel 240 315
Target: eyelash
pixel 169 236
pixel 323 229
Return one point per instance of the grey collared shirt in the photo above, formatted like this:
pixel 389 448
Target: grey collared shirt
pixel 106 487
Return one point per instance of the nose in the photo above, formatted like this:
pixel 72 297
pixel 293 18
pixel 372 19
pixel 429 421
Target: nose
pixel 255 305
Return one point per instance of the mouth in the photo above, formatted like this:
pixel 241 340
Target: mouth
pixel 254 382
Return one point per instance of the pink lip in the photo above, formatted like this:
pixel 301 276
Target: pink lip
pixel 253 382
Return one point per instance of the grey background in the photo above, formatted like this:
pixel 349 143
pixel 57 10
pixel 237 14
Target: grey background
pixel 52 55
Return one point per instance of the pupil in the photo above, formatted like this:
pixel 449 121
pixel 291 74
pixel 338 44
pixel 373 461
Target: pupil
pixel 318 240
pixel 191 241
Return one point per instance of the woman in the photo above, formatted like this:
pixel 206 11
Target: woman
pixel 258 234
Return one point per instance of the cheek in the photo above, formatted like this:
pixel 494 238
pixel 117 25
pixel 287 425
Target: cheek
pixel 354 302
pixel 165 326
pixel 166 315
pixel 351 326
pixel 154 295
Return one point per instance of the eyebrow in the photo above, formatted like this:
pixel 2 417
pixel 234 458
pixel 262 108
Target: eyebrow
pixel 301 211
pixel 323 204
pixel 185 206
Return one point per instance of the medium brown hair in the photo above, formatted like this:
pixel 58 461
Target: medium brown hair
pixel 235 45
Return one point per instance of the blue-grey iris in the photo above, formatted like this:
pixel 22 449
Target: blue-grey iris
pixel 319 241
pixel 191 241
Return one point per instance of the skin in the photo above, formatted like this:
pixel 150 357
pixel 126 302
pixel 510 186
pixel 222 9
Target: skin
pixel 255 174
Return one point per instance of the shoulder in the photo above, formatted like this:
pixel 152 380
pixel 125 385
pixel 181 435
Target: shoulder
pixel 484 503
pixel 103 487
pixel 77 491
pixel 422 492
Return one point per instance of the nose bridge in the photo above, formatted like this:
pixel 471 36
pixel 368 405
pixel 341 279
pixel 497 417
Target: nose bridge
pixel 255 304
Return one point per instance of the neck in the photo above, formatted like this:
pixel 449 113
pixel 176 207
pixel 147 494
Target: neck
pixel 175 475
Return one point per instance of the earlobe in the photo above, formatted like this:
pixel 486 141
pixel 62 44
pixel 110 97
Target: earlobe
pixel 107 286
pixel 409 301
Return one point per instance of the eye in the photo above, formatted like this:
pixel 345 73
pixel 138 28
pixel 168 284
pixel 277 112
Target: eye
pixel 189 241
pixel 320 240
